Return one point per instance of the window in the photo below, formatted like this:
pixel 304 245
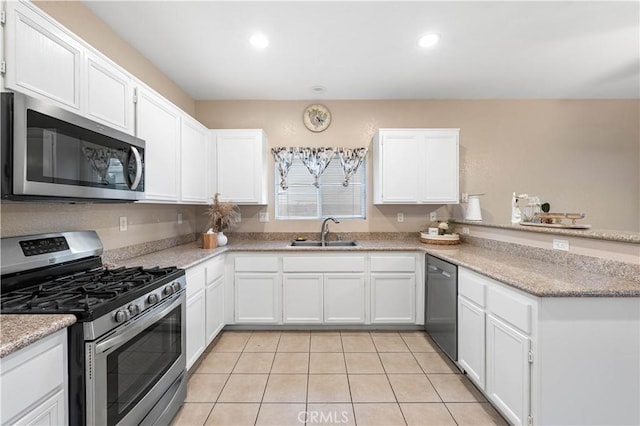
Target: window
pixel 302 200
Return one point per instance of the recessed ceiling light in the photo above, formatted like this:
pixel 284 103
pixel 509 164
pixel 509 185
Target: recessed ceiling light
pixel 428 40
pixel 259 41
pixel 318 90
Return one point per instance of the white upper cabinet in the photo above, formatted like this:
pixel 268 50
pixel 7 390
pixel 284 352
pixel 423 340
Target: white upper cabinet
pixel 108 94
pixel 193 162
pixel 158 124
pixel 42 59
pixel 415 166
pixel 240 158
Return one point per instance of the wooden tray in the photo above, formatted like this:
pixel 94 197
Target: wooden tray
pixel 447 239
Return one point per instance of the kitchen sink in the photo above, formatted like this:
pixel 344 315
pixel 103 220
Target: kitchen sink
pixel 345 243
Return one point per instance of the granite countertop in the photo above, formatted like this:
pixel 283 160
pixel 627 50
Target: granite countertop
pixel 18 331
pixel 532 276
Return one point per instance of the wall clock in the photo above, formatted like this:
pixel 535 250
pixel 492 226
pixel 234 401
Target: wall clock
pixel 316 117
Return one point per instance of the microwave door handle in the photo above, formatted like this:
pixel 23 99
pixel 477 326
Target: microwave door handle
pixel 147 320
pixel 136 180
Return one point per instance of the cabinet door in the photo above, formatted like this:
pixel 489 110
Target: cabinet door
pixel 193 161
pixel 49 413
pixel 257 298
pixel 214 294
pixel 42 59
pixel 400 168
pixel 108 94
pixel 344 298
pixel 440 167
pixel 393 298
pixel 158 123
pixel 195 327
pixel 241 166
pixel 302 298
pixel 508 370
pixel 471 336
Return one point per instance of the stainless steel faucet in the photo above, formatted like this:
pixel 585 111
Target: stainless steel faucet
pixel 324 229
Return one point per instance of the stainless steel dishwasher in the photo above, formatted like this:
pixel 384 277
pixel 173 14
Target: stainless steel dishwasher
pixel 441 306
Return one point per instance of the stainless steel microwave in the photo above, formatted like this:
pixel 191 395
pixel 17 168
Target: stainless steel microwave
pixel 51 154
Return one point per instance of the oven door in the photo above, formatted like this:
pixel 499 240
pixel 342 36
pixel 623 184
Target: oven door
pixel 131 369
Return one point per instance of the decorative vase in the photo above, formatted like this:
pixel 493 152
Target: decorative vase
pixel 222 239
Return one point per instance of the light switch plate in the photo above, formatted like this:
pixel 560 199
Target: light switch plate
pixel 433 216
pixel 264 216
pixel 400 217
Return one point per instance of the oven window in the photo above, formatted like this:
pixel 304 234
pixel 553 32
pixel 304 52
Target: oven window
pixel 136 366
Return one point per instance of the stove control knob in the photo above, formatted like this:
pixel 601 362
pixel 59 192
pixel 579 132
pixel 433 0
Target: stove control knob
pixel 134 309
pixel 122 315
pixel 152 299
pixel 168 290
pixel 176 286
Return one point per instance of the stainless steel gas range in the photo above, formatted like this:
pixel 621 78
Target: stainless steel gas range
pixel 126 352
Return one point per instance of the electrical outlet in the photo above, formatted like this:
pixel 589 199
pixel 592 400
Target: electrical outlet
pixel 123 223
pixel 238 218
pixel 433 216
pixel 264 216
pixel 179 218
pixel 464 198
pixel 465 230
pixel 561 245
pixel 400 217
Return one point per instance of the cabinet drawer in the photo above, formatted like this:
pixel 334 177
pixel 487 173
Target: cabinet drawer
pixel 510 307
pixel 195 279
pixel 256 264
pixel 215 269
pixel 393 263
pixel 323 264
pixel 472 286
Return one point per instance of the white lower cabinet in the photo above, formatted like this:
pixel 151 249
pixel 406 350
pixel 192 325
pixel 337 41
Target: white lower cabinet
pixel 311 296
pixel 302 298
pixel 471 340
pixel 508 370
pixel 393 298
pixel 495 324
pixel 196 313
pixel 205 306
pixel 345 298
pixel 214 300
pixel 257 298
pixel 34 383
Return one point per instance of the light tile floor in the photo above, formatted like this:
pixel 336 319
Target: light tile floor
pixel 330 378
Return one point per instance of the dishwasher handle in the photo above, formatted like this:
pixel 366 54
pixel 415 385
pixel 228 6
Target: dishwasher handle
pixel 435 269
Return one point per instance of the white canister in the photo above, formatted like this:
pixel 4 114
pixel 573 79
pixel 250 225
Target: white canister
pixel 473 208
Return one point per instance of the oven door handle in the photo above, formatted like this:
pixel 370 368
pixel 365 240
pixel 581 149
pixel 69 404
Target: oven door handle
pixel 141 324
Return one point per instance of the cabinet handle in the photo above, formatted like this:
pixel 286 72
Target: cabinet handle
pixel 446 274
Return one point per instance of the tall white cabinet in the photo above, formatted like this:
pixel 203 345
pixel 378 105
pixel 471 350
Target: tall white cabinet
pixel 194 170
pixel 158 123
pixel 240 158
pixel 415 166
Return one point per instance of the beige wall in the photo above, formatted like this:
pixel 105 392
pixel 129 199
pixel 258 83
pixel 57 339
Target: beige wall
pixel 84 23
pixel 578 155
pixel 146 222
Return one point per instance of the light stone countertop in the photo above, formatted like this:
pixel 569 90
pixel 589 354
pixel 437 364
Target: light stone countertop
pixel 18 331
pixel 536 277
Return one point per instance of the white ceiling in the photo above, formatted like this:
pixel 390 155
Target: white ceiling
pixel 368 50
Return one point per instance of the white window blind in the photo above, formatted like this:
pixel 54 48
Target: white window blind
pixel 304 201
